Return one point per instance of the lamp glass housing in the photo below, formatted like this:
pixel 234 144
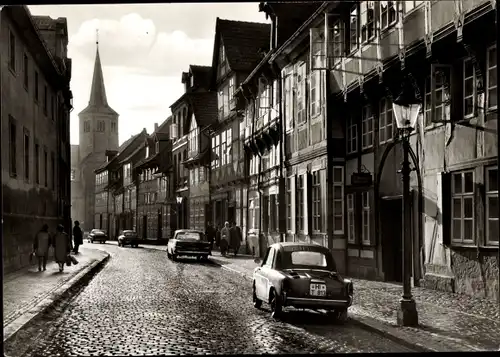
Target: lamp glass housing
pixel 406 115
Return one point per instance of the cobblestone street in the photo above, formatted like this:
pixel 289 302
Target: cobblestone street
pixel 143 303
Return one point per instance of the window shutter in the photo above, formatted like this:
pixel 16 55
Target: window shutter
pixel 324 200
pixel 446 207
pixel 293 213
pixel 309 202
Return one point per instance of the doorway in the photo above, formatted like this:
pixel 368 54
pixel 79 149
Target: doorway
pixel 392 238
pixel 231 214
pixel 144 227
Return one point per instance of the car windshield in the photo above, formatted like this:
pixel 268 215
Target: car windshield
pixel 307 259
pixel 190 235
pixel 129 233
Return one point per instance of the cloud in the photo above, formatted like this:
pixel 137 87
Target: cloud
pixel 133 42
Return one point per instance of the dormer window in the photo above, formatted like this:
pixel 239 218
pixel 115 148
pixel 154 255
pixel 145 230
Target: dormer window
pixel 192 80
pixel 147 151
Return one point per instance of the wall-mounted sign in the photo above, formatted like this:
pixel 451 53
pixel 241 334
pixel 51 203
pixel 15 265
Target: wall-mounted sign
pixel 361 179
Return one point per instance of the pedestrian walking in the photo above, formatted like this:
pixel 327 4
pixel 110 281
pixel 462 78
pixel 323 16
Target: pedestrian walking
pixel 217 235
pixel 77 237
pixel 235 238
pixel 62 247
pixel 210 233
pixel 41 246
pixel 224 238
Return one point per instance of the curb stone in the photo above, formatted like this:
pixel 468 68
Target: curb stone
pixel 54 297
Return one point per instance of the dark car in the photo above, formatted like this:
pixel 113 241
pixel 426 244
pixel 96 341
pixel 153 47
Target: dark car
pixel 189 242
pixel 128 237
pixel 97 235
pixel 301 275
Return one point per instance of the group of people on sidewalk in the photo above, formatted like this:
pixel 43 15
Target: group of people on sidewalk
pixel 229 237
pixel 61 242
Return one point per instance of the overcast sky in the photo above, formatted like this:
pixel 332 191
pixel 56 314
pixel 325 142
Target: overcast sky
pixel 144 49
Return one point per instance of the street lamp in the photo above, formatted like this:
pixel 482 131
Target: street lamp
pixel 406 108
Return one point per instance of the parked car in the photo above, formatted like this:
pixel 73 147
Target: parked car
pixel 97 235
pixel 188 242
pixel 128 237
pixel 301 275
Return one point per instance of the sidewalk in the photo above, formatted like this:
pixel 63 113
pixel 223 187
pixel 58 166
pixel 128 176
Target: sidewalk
pixel 28 292
pixel 448 322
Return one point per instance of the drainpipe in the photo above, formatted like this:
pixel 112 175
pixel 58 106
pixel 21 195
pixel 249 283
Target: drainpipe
pixel 1 167
pixel 497 20
pixel 247 173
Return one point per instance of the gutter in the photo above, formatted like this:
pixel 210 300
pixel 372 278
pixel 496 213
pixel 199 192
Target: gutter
pixel 299 31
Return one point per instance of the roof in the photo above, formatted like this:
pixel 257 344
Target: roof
pixel 204 106
pixel 244 43
pixel 188 230
pixel 202 75
pixel 98 101
pixel 298 244
pixel 121 149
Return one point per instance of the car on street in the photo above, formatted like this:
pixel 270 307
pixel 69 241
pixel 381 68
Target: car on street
pixel 97 235
pixel 128 237
pixel 301 275
pixel 189 242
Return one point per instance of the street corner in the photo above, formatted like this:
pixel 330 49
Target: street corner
pixel 84 273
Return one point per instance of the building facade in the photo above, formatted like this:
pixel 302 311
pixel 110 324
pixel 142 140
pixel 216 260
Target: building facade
pixel 98 130
pixel 35 100
pixel 150 204
pixel 238 48
pixel 368 50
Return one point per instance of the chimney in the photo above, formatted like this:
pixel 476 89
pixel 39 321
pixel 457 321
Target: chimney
pixel 156 126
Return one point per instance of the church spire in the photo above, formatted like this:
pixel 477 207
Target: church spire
pixel 98 91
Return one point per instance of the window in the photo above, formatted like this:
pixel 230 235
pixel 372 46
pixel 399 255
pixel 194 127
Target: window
pixel 338 200
pixel 301 94
pixel 352 135
pixel 26 76
pixel 37 163
pixel 289 100
pixel 367 21
pixel 410 5
pixel 45 167
pixel 270 258
pixel 438 99
pixel 101 126
pixel 113 126
pixel 491 78
pixel 26 154
pixel 491 206
pixel 53 165
pixel 469 84
pixel 385 121
pixel 193 141
pixel 351 230
pixel 387 14
pixel 53 108
pixel 300 205
pixel 12 146
pixel 192 81
pixel 316 202
pixel 229 142
pixel 367 127
pixel 223 148
pixel 289 204
pixel 232 85
pixel 73 175
pixel 36 86
pixel 308 258
pixel 86 126
pixel 45 98
pixel 353 38
pixel 264 98
pixel 315 89
pixel 462 207
pixel 12 51
pixel 365 218
pixel 222 60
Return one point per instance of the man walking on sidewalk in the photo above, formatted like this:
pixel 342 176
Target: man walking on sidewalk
pixel 77 237
pixel 224 239
pixel 62 247
pixel 41 246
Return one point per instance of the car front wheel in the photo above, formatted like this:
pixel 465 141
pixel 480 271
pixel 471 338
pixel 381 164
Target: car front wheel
pixel 257 303
pixel 276 307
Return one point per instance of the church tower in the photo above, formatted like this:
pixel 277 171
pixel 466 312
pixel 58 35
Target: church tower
pixel 98 124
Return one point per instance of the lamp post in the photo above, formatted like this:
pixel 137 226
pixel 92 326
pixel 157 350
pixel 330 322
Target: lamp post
pixel 406 108
pixel 179 211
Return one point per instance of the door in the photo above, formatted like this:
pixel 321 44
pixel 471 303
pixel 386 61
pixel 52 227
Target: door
pixel 231 214
pixel 392 239
pixel 144 226
pixel 261 276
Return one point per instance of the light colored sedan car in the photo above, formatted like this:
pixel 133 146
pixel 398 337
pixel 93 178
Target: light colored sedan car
pixel 189 242
pixel 301 275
